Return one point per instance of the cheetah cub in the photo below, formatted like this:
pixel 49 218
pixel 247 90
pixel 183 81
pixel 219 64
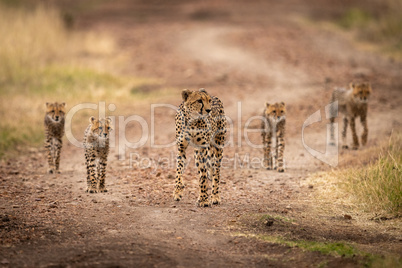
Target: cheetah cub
pixel 54 131
pixel 96 144
pixel 352 103
pixel 273 126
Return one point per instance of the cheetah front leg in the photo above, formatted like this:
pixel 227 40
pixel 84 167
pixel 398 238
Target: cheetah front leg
pixel 58 146
pixel 333 113
pixel 332 129
pixel 216 168
pixel 345 128
pixel 363 120
pixel 355 138
pixel 280 148
pixel 181 157
pixel 102 174
pixel 268 158
pixel 91 175
pixel 48 146
pixel 201 155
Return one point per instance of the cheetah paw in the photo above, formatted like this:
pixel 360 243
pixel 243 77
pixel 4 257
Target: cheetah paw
pixel 91 190
pixel 50 171
pixel 281 170
pixel 203 203
pixel 216 199
pixel 102 190
pixel 267 165
pixel 345 147
pixel 177 195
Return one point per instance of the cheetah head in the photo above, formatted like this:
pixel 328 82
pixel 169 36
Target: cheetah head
pixel 196 103
pixel 275 112
pixel 100 129
pixel 361 92
pixel 55 111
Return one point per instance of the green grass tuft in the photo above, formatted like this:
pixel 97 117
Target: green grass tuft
pixel 355 17
pixel 327 248
pixel 336 249
pixel 58 80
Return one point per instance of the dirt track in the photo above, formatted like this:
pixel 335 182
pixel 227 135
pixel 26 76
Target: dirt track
pixel 238 53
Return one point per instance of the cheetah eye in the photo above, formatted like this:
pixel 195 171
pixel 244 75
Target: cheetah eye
pixel 108 128
pixel 100 128
pixel 274 112
pixel 200 101
pixel 52 111
pixel 210 100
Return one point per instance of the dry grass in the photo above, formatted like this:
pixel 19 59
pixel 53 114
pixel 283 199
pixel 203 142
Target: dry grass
pixel 41 61
pixel 31 40
pixel 373 189
pixel 378 187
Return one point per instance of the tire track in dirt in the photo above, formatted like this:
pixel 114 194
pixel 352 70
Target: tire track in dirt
pixel 208 44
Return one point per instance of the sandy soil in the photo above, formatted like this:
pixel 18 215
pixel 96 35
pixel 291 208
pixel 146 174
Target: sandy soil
pixel 247 54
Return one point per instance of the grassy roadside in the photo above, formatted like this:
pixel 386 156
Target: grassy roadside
pixel 41 60
pixel 338 249
pixel 372 189
pixel 299 236
pixel 378 186
pixel 369 195
pixel 366 196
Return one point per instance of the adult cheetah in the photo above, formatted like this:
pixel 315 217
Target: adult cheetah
pixel 200 122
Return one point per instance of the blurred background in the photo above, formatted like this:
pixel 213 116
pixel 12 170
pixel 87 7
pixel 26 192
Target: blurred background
pixel 130 54
pixel 133 53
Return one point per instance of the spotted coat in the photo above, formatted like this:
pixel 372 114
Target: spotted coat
pixel 352 103
pixel 273 126
pixel 54 131
pixel 200 122
pixel 96 144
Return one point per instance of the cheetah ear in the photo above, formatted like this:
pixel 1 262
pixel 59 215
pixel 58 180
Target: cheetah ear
pixel 185 94
pixel 47 104
pixel 282 103
pixel 369 87
pixel 267 104
pixel 202 90
pixel 92 119
pixel 63 104
pixel 352 85
pixel 108 120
